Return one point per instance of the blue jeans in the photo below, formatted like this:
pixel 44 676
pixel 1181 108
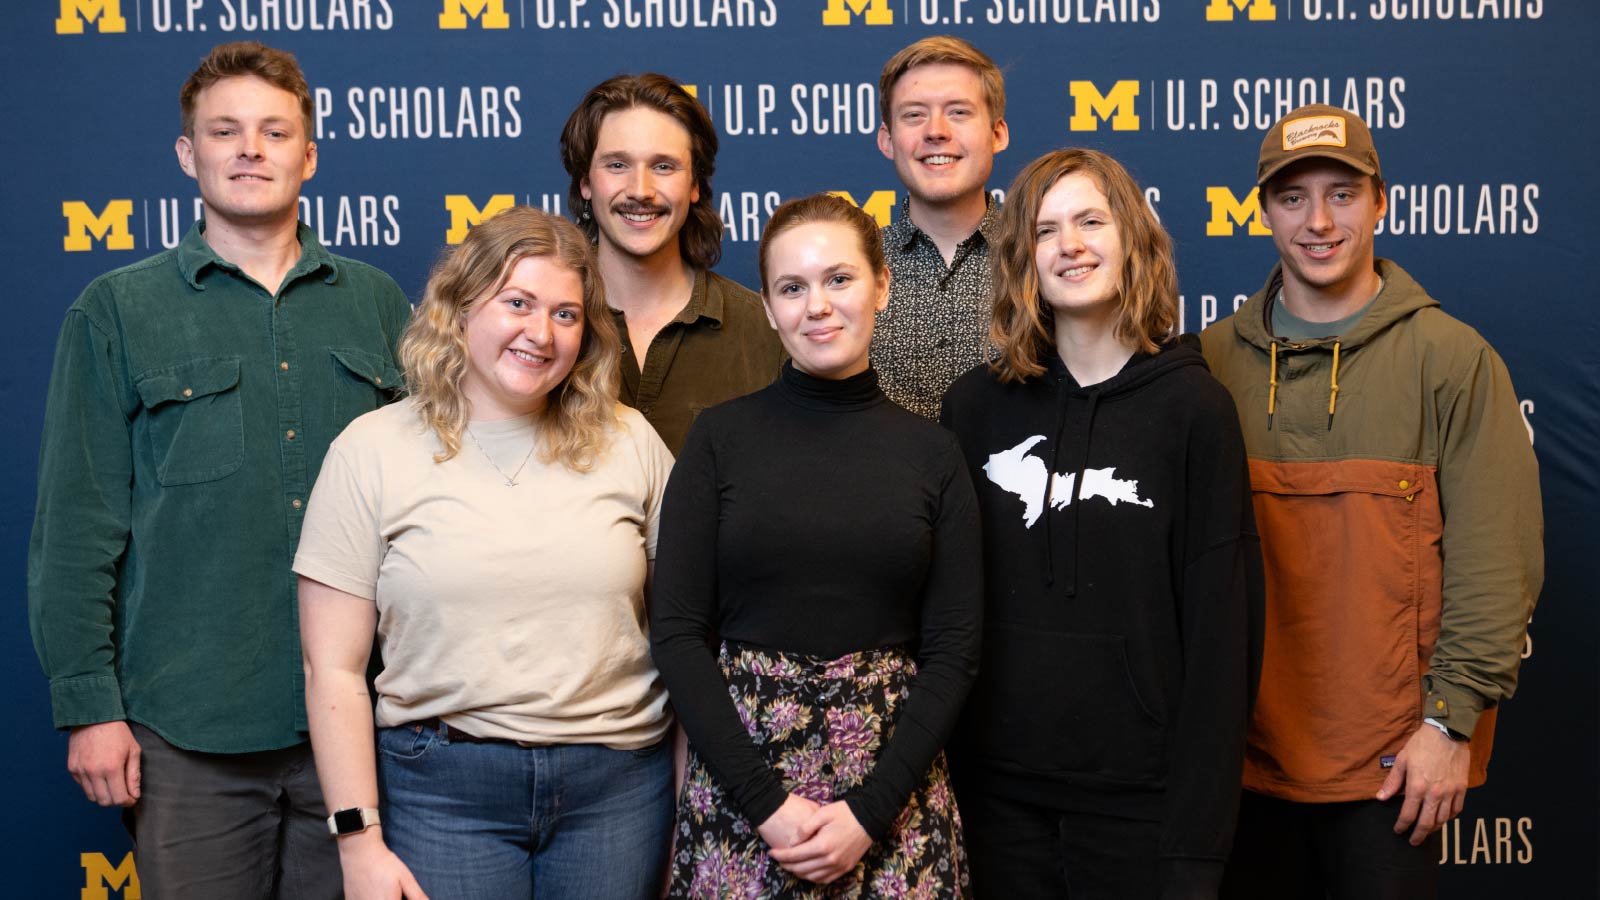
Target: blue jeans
pixel 499 821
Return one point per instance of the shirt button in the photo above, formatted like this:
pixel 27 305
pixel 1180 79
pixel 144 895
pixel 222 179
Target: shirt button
pixel 295 503
pixel 188 392
pixel 377 381
pixel 284 365
pixel 1438 704
pixel 1404 484
pixel 289 434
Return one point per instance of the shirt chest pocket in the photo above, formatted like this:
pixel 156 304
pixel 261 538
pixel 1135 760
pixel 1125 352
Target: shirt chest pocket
pixel 193 420
pixel 363 381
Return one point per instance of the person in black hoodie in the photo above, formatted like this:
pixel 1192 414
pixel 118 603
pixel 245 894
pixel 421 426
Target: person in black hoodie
pixel 1100 750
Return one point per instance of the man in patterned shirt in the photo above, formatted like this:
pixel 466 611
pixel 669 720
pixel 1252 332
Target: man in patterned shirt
pixel 943 102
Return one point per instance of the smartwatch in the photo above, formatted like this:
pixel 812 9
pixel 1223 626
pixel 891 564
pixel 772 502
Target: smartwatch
pixel 351 821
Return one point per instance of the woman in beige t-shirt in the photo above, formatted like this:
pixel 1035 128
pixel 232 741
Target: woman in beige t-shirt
pixel 495 529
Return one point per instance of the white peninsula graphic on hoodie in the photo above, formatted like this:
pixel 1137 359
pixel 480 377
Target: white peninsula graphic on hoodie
pixel 1021 473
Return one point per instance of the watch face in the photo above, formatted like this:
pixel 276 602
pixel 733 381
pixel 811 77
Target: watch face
pixel 348 821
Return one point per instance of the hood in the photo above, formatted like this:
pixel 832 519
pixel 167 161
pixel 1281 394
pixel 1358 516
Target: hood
pixel 1400 298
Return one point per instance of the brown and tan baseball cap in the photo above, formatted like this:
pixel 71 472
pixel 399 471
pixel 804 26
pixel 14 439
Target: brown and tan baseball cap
pixel 1318 130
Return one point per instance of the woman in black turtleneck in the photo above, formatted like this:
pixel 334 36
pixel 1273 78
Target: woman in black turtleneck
pixel 1100 752
pixel 816 605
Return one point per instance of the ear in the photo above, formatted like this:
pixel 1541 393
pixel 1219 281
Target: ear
pixel 309 168
pixel 766 307
pixel 882 301
pixel 1383 203
pixel 885 144
pixel 185 150
pixel 587 194
pixel 1262 204
pixel 1002 135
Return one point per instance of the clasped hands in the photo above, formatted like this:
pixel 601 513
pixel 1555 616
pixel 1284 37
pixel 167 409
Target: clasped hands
pixel 816 842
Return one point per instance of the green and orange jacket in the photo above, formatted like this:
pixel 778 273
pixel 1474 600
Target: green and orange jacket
pixel 1397 498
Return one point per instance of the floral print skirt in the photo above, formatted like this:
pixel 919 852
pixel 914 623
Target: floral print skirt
pixel 820 723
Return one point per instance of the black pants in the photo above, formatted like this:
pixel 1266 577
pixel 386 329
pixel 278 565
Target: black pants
pixel 1327 851
pixel 1020 851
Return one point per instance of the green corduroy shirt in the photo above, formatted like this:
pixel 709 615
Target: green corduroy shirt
pixel 188 414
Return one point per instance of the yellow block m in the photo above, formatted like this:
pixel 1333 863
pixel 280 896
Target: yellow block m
pixel 880 205
pixel 106 14
pixel 1222 10
pixel 1227 211
pixel 464 214
pixel 111 226
pixel 98 876
pixel 872 12
pixel 489 13
pixel 1091 106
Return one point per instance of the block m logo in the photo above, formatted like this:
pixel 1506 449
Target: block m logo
pixel 1223 10
pixel 1227 211
pixel 105 14
pixel 489 13
pixel 880 205
pixel 464 214
pixel 1090 106
pixel 872 12
pixel 111 226
pixel 100 879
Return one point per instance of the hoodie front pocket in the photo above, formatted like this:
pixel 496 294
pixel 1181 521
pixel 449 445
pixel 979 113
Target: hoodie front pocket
pixel 1065 704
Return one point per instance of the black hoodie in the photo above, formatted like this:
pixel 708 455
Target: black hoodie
pixel 1122 619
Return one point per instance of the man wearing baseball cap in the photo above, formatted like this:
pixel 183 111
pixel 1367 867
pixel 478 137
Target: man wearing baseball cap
pixel 1398 502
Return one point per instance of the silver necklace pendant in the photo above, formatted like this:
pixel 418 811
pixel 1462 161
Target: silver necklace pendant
pixel 511 480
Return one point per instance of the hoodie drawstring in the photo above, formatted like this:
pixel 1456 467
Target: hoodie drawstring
pixel 1272 387
pixel 1050 485
pixel 1333 385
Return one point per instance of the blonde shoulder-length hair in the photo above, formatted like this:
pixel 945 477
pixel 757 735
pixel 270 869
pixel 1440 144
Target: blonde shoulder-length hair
pixel 580 413
pixel 1023 327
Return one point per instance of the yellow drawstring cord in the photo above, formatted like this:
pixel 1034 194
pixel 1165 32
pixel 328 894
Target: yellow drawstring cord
pixel 1272 387
pixel 1333 385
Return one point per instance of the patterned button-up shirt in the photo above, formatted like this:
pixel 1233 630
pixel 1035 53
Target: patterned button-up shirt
pixel 936 326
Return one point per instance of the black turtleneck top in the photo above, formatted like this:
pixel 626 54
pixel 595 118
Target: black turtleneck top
pixel 818 517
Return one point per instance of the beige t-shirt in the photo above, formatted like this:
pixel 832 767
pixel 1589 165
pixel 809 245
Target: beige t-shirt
pixel 511 612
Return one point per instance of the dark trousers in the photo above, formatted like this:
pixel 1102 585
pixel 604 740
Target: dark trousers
pixel 231 825
pixel 1020 851
pixel 1327 851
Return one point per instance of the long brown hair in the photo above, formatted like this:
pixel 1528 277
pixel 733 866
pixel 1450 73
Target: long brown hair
pixel 1023 328
pixel 700 241
pixel 580 412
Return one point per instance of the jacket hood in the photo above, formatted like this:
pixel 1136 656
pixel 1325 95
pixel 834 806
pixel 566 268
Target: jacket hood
pixel 1401 297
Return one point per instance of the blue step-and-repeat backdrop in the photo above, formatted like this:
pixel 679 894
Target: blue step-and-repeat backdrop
pixel 432 114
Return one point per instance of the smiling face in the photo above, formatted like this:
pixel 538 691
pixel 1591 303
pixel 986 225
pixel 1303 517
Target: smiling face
pixel 641 182
pixel 523 339
pixel 821 296
pixel 1078 249
pixel 940 134
pixel 1322 214
pixel 249 152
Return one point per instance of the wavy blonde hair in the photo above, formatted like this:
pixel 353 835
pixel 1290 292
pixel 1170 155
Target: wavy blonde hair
pixel 580 412
pixel 1023 327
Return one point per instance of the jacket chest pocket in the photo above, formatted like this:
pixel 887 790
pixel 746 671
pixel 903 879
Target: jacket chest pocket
pixel 363 381
pixel 193 419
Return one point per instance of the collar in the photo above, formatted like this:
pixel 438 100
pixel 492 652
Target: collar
pixel 195 256
pixel 703 303
pixel 902 234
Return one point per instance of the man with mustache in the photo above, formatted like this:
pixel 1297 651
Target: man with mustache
pixel 943 103
pixel 640 152
pixel 1397 497
pixel 193 399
